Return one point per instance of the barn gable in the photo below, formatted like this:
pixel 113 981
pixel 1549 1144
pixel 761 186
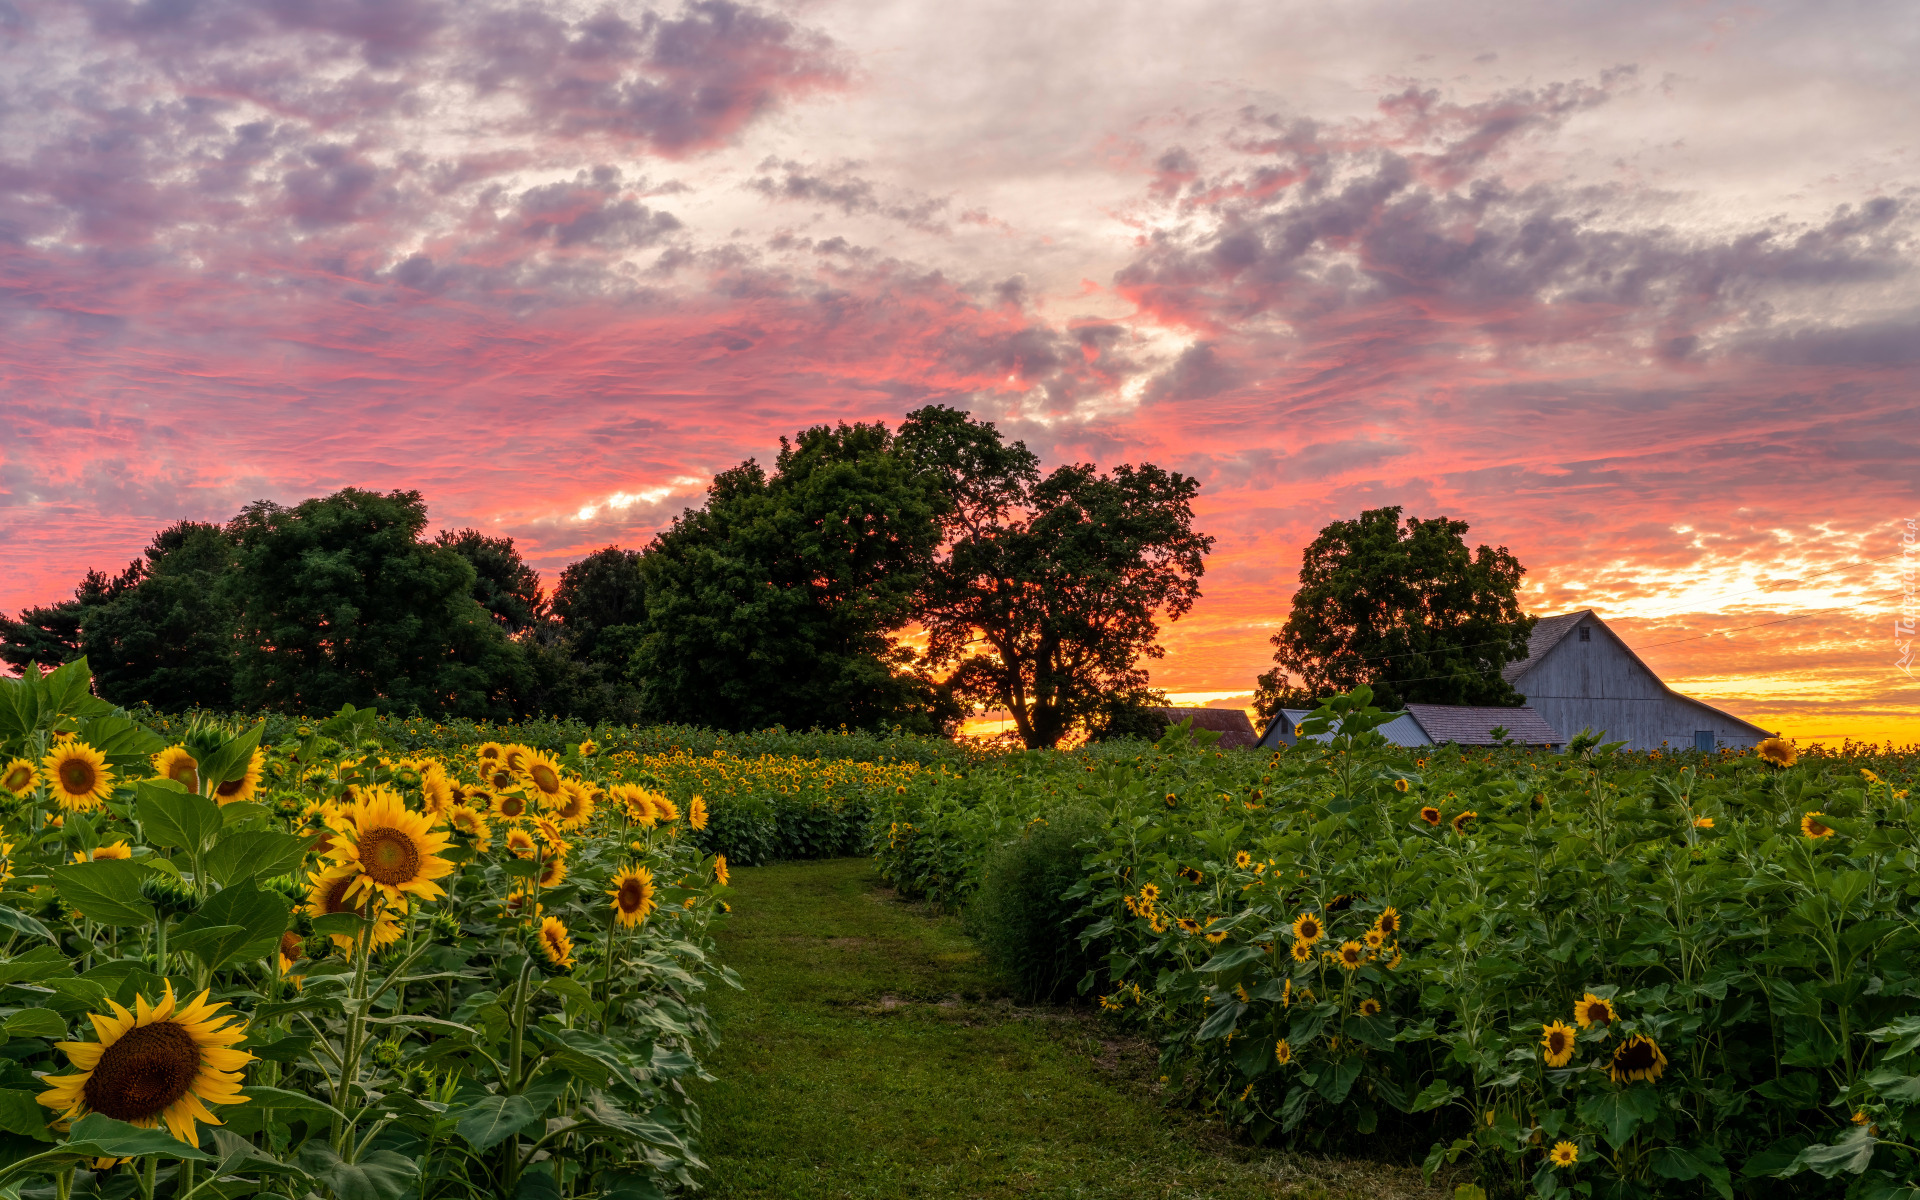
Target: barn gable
pixel 1579 674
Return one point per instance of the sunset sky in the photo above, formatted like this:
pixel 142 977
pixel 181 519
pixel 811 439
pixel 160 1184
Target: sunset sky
pixel 1633 288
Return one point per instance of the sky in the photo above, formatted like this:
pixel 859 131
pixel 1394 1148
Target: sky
pixel 1631 287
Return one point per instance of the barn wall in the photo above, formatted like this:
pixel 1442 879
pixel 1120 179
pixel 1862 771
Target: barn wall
pixel 1637 708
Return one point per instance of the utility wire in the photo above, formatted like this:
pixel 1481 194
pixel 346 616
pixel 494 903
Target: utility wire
pixel 1750 591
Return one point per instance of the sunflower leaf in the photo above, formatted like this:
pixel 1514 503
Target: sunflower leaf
pixel 21 1112
pixel 381 1175
pixel 254 854
pixel 231 760
pixel 253 921
pixel 36 1022
pixel 493 1119
pixel 107 891
pixel 19 922
pixel 98 1136
pixel 172 816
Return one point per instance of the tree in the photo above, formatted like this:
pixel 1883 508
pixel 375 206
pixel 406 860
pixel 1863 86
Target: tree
pixel 168 639
pixel 601 593
pixel 49 634
pixel 339 601
pixel 1409 611
pixel 777 602
pixel 503 583
pixel 1048 591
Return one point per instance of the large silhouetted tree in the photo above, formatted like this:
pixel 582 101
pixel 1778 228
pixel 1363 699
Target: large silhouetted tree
pixel 1048 591
pixel 340 601
pixel 1408 610
pixel 169 639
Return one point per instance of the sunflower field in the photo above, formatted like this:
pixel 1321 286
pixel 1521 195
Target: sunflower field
pixel 1592 973
pixel 317 964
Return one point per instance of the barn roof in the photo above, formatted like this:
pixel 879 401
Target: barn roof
pixel 1547 632
pixel 1231 723
pixel 1472 724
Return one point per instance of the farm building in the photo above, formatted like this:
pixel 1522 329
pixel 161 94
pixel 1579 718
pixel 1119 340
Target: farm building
pixel 1577 675
pixel 1236 731
pixel 1432 724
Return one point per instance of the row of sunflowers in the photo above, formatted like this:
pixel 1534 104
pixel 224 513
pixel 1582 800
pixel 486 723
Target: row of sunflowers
pixel 326 966
pixel 1586 973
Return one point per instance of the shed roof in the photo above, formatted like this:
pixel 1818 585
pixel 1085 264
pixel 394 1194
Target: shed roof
pixel 1472 724
pixel 1231 723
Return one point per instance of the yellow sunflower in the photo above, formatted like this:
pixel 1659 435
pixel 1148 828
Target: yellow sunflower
pixel 697 813
pixel 720 869
pixel 1351 955
pixel 1282 1053
pixel 553 868
pixel 1814 828
pixel 510 806
pixel 397 850
pixel 589 748
pixel 1242 859
pixel 664 809
pixel 1558 1038
pixel 575 808
pixel 1149 893
pixel 1302 951
pixel 19 777
pixel 330 891
pixel 1430 815
pixel 178 764
pixel 555 943
pixel 234 791
pixel 499 778
pixel 1369 1007
pixel 119 849
pixel 293 948
pixel 490 754
pixel 436 790
pixel 6 860
pixel 1592 1010
pixel 520 843
pixel 1636 1059
pixel 1374 939
pixel 160 1064
pixel 1388 922
pixel 464 820
pixel 632 894
pixel 1187 924
pixel 1564 1154
pixel 515 755
pixel 1307 928
pixel 1462 820
pixel 77 775
pixel 637 801
pixel 542 774
pixel 1777 752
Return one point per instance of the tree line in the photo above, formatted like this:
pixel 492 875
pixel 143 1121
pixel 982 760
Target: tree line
pixel 782 600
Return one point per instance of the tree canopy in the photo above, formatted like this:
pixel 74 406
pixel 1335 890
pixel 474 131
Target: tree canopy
pixel 167 638
pixel 1407 609
pixel 340 601
pixel 1048 591
pixel 776 602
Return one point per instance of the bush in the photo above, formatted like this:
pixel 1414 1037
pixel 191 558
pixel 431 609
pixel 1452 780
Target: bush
pixel 1021 913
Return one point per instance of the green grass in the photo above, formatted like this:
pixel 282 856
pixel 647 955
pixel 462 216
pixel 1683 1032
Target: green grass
pixel 873 1054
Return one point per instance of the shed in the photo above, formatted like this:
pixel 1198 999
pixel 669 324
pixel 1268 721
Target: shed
pixel 1579 674
pixel 1231 723
pixel 1433 724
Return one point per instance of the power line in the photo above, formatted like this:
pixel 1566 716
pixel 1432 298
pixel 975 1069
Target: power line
pixel 1636 649
pixel 1750 591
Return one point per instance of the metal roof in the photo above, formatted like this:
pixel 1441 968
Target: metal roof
pixel 1472 724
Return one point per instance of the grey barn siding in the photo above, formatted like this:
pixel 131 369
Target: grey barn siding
pixel 1600 684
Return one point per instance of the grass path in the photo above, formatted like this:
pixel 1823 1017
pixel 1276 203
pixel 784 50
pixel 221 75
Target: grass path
pixel 873 1055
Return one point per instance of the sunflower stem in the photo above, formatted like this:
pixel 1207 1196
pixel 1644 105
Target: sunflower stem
pixel 519 1024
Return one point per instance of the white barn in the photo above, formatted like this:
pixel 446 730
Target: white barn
pixel 1578 674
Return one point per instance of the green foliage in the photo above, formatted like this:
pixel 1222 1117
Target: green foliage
pixel 1774 971
pixel 1410 611
pixel 167 639
pixel 1060 580
pixel 775 603
pixel 503 583
pixel 1021 913
pixel 340 602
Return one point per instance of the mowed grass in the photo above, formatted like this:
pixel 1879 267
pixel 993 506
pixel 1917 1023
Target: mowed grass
pixel 873 1054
